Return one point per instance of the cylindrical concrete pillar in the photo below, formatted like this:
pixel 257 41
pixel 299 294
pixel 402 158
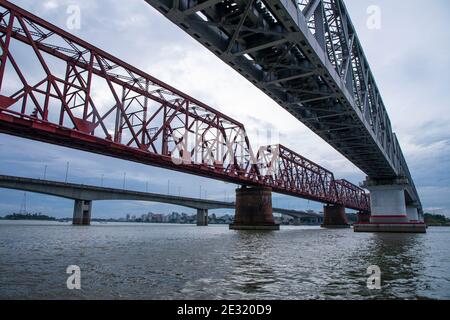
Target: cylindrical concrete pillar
pixel 413 214
pixel 388 209
pixel 254 209
pixel 388 204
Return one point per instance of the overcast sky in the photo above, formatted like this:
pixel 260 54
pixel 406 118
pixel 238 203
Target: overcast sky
pixel 408 56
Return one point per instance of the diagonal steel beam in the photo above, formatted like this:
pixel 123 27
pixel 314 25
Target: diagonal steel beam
pixel 201 6
pixel 261 47
pixel 239 26
pixel 308 11
pixel 298 76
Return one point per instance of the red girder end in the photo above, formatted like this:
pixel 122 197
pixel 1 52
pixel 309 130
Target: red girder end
pixel 83 125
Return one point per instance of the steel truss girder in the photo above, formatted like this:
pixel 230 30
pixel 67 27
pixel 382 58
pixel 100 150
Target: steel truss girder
pixel 317 35
pixel 137 117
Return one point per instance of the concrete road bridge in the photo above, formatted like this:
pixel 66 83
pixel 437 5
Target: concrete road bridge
pixel 85 195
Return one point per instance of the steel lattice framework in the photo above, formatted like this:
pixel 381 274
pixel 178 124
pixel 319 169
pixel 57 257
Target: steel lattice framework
pixel 305 55
pixel 59 89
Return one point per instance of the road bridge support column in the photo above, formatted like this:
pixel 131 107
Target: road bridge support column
pixel 421 217
pixel 202 217
pixel 389 212
pixel 334 217
pixel 254 209
pixel 82 213
pixel 413 213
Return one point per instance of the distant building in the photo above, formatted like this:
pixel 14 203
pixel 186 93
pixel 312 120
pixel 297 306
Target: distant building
pixel 180 218
pixel 174 217
pixel 228 219
pixel 157 218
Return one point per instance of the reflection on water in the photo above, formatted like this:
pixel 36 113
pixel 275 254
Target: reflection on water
pixel 400 258
pixel 144 261
pixel 251 272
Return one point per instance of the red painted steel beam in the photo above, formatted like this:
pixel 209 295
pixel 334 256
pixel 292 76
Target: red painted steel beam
pixel 137 117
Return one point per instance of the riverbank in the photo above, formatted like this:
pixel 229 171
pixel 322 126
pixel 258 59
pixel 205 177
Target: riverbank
pixel 436 220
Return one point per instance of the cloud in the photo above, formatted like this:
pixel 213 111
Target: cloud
pixel 50 4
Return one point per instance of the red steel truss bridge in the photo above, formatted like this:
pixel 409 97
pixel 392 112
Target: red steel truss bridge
pixel 59 89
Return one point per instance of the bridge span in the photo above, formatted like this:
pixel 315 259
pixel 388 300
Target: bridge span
pixel 306 56
pixel 85 195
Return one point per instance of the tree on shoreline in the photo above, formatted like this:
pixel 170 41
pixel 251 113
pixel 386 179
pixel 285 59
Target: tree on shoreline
pixel 436 220
pixel 28 216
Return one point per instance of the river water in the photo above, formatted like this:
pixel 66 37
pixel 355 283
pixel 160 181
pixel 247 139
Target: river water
pixel 149 261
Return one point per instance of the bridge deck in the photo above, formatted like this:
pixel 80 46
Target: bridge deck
pixel 307 57
pixel 88 192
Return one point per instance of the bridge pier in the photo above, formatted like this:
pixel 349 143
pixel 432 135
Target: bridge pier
pixel 254 209
pixel 202 217
pixel 413 213
pixel 389 212
pixel 82 213
pixel 334 217
pixel 421 217
pixel 363 217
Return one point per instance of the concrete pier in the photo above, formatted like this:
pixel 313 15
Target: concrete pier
pixel 254 209
pixel 334 217
pixel 82 212
pixel 413 214
pixel 202 217
pixel 389 210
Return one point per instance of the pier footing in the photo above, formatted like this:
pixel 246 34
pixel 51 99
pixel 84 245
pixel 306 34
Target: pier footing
pixel 390 228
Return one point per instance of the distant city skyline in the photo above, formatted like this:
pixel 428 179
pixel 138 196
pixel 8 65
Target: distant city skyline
pixel 171 218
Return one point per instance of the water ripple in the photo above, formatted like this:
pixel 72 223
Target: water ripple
pixel 123 261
